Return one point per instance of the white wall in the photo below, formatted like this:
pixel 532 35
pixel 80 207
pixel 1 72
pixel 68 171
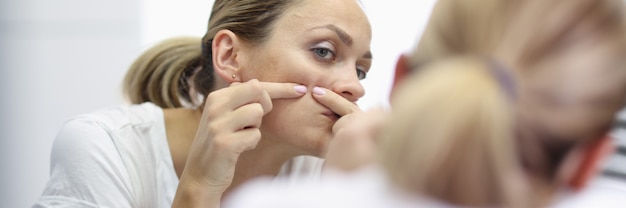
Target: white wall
pixel 59 58
pixel 396 26
pixel 66 57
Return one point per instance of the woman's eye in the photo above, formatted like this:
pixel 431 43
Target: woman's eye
pixel 325 54
pixel 360 74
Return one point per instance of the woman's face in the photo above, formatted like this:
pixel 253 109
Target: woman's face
pixel 315 43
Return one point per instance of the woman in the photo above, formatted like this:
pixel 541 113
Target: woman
pixel 275 77
pixel 560 66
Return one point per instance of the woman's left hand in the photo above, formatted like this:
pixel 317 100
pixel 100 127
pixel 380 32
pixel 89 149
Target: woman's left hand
pixel 354 142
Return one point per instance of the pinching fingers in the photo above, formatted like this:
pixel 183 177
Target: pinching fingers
pixel 334 101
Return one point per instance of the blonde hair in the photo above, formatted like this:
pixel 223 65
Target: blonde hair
pixel 462 27
pixel 449 136
pixel 251 20
pixel 162 73
pixel 453 134
pixel 539 40
pixel 178 72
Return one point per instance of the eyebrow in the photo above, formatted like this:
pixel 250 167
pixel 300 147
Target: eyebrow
pixel 343 36
pixel 368 55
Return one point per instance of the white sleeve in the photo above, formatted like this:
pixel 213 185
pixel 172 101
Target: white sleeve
pixel 85 169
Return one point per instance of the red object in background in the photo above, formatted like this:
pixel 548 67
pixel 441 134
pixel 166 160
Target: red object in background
pixel 592 160
pixel 402 71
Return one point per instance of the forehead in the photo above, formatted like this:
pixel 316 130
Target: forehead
pixel 345 14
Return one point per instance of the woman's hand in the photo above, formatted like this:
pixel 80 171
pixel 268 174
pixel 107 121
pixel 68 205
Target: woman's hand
pixel 229 126
pixel 354 142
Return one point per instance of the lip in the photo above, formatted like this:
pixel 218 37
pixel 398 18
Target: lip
pixel 332 115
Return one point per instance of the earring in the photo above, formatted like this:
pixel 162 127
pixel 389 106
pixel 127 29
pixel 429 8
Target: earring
pixel 234 76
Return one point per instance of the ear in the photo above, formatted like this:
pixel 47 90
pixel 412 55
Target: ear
pixel 592 159
pixel 402 71
pixel 226 46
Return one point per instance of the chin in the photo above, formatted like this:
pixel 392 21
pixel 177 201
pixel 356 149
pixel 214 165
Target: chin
pixel 316 143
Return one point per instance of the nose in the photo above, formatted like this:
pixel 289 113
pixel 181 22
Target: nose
pixel 349 87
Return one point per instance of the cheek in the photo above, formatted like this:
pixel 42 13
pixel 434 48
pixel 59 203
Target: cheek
pixel 294 73
pixel 303 112
pixel 259 67
pixel 278 66
pixel 295 122
pixel 283 116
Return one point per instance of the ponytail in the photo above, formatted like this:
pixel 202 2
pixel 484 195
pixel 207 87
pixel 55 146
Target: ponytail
pixel 163 73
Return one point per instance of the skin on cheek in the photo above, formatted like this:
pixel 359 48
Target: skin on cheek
pixel 297 123
pixel 257 68
pixel 287 69
pixel 265 66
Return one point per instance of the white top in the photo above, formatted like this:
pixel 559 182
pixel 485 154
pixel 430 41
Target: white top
pixel 366 188
pixel 119 157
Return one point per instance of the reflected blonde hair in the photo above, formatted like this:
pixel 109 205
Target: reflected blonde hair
pixel 449 136
pixel 538 40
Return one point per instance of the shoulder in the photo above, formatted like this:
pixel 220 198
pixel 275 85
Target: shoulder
pixel 92 130
pixel 89 157
pixel 117 117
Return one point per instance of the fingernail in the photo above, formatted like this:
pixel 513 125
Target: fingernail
pixel 318 91
pixel 300 89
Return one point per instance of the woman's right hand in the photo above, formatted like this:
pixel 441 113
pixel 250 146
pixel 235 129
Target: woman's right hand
pixel 229 126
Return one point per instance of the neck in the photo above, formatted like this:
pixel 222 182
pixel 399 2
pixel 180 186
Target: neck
pixel 265 160
pixel 180 127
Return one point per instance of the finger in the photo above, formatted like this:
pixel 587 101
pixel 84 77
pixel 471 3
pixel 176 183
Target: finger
pixel 334 102
pixel 366 122
pixel 237 95
pixel 266 102
pixel 246 116
pixel 345 121
pixel 255 91
pixel 247 139
pixel 233 144
pixel 283 90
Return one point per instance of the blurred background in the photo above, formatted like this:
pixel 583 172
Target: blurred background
pixel 66 57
